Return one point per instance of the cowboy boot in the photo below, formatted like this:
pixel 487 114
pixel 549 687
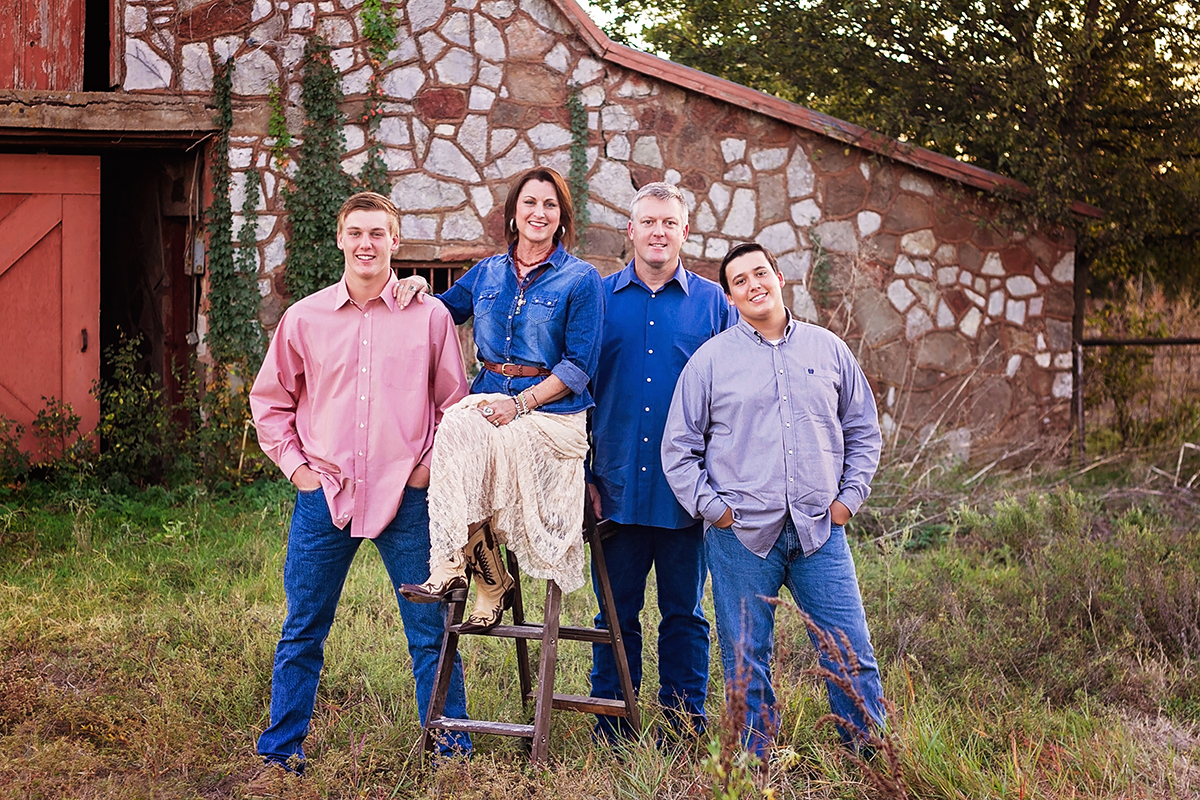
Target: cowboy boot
pixel 494 587
pixel 444 578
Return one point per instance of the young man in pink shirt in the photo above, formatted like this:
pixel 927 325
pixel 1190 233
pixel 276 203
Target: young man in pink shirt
pixel 346 404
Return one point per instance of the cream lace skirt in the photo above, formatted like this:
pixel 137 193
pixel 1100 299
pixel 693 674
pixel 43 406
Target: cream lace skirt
pixel 526 478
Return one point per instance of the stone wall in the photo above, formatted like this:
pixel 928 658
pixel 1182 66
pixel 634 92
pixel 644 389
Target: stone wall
pixel 961 312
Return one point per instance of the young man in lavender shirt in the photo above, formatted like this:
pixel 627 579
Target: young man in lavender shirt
pixel 772 439
pixel 346 404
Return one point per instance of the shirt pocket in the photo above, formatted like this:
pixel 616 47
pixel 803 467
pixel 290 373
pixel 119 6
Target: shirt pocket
pixel 822 388
pixel 404 370
pixel 540 309
pixel 485 302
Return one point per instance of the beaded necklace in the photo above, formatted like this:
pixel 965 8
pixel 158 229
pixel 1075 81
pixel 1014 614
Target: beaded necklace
pixel 530 277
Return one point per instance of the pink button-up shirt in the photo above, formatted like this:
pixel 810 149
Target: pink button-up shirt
pixel 357 393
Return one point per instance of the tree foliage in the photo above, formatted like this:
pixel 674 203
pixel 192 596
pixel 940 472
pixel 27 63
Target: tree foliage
pixel 1093 100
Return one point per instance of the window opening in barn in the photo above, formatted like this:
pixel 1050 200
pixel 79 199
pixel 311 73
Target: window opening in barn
pixel 97 46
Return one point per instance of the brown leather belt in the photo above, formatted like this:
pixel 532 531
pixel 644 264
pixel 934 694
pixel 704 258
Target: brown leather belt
pixel 516 370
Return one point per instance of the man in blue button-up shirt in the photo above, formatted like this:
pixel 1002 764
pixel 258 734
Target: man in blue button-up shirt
pixel 772 439
pixel 656 314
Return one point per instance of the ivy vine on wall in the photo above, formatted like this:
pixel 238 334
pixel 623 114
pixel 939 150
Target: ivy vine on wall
pixel 577 179
pixel 277 129
pixel 320 186
pixel 234 335
pixel 379 29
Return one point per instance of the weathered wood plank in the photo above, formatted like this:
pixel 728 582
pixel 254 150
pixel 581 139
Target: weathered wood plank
pixel 102 111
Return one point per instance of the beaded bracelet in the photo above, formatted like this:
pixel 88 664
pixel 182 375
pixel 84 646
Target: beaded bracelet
pixel 523 407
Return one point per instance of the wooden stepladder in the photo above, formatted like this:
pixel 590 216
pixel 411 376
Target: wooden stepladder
pixel 548 632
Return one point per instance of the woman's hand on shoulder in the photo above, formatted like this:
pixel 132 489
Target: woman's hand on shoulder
pixel 410 287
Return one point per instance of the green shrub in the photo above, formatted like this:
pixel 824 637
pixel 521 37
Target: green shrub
pixel 14 462
pixel 136 429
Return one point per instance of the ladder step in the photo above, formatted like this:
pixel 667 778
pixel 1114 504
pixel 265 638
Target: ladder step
pixel 591 705
pixel 534 631
pixel 481 726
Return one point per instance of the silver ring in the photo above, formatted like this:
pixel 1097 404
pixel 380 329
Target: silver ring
pixel 488 411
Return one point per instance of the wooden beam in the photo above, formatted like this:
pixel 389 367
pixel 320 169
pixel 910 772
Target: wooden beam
pixel 104 112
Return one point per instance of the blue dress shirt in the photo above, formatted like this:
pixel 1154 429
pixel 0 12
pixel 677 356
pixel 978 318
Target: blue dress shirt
pixel 648 337
pixel 554 324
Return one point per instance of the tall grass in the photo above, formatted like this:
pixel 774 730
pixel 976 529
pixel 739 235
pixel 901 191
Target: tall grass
pixel 1039 635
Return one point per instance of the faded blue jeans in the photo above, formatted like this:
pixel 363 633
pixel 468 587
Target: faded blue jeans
pixel 825 587
pixel 318 560
pixel 677 557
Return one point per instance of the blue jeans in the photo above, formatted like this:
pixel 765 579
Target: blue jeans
pixel 825 587
pixel 318 559
pixel 680 570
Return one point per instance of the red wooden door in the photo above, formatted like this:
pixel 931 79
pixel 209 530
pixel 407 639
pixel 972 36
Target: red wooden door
pixel 49 286
pixel 41 44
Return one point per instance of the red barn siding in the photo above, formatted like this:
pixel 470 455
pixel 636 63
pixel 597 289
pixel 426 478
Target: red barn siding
pixel 41 45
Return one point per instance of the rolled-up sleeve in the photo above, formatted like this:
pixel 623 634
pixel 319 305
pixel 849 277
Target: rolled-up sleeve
pixel 861 437
pixel 585 314
pixel 275 397
pixel 684 446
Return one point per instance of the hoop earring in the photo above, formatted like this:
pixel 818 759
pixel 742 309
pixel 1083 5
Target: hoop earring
pixel 512 224
pixel 561 232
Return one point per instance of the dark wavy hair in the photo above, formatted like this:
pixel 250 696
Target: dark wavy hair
pixel 566 219
pixel 737 252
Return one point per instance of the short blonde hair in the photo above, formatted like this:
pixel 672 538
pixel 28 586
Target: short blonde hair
pixel 370 201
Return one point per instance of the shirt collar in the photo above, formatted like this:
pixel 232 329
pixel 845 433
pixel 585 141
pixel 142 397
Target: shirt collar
pixel 629 275
pixel 753 333
pixel 388 295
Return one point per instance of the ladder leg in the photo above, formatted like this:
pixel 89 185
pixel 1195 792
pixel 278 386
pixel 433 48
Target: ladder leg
pixel 607 611
pixel 546 667
pixel 524 675
pixel 445 668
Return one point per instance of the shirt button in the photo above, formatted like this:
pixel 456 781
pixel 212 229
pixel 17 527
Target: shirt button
pixel 362 397
pixel 651 322
pixel 362 424
pixel 789 452
pixel 651 352
pixel 643 469
pixel 647 380
pixel 790 480
pixel 780 372
pixel 364 341
pixel 645 438
pixel 364 369
pixel 508 338
pixel 785 397
pixel 788 424
pixel 360 452
pixel 647 408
